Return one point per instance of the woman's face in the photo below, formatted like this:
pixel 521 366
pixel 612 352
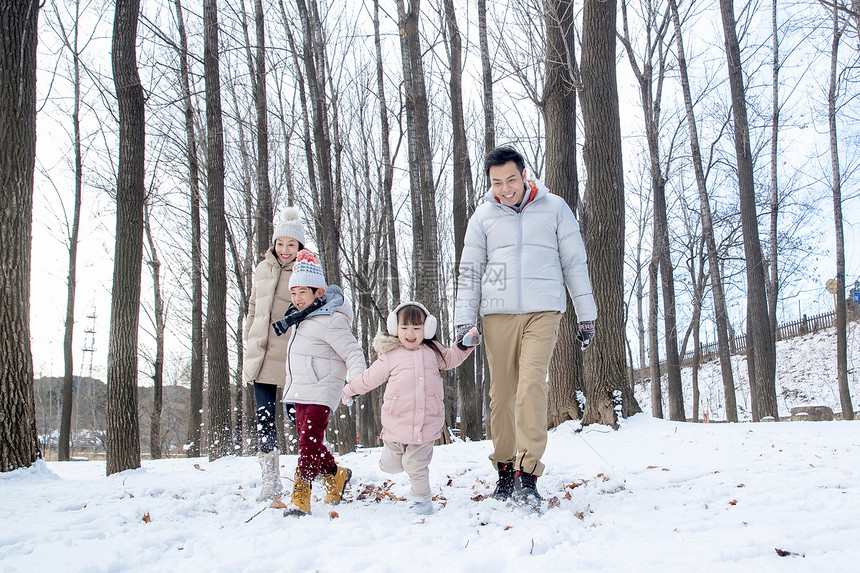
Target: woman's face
pixel 286 249
pixel 410 335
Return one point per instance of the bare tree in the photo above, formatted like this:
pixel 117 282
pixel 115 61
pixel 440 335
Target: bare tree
pixel 425 237
pixel 605 362
pixel 123 435
pixel 470 400
pixel 721 314
pixel 760 344
pixel 558 105
pixel 196 398
pixel 653 62
pixel 158 364
pixel 839 25
pixel 392 273
pixel 70 43
pixel 486 79
pixel 19 441
pixel 220 432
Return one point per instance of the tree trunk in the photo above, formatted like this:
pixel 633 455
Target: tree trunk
pixel 561 176
pixel 763 384
pixel 195 419
pixel 650 90
pixel 425 242
pixel 487 80
pixel 392 273
pixel 653 340
pixel 773 283
pixel 158 366
pixel 123 436
pixel 264 192
pixel 470 400
pixel 841 333
pixel 720 312
pixel 19 440
pixel 220 433
pixel 63 453
pixel 605 364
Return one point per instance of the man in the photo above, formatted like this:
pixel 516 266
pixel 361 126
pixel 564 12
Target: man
pixel 522 247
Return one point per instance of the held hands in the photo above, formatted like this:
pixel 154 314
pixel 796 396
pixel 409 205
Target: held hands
pixel 586 333
pixel 468 335
pixel 472 337
pixel 347 400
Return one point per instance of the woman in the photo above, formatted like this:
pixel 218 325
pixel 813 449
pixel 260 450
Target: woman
pixel 265 352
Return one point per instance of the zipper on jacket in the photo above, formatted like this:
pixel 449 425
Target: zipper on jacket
pixel 289 370
pixel 520 260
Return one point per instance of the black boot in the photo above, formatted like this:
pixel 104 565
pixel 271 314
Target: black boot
pixel 525 490
pixel 505 485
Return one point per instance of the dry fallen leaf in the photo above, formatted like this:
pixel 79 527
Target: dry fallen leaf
pixel 197 467
pixel 508 527
pixel 278 504
pixel 333 514
pixel 733 502
pixel 146 518
pixel 553 502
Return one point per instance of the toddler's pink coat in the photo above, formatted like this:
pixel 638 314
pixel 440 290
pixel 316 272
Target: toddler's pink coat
pixel 413 411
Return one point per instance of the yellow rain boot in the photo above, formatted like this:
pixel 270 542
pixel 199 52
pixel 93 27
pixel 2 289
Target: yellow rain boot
pixel 300 503
pixel 335 483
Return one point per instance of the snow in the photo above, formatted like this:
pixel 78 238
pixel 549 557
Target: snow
pixel 653 496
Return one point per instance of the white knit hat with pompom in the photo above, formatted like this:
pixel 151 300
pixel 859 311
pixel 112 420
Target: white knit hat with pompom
pixel 289 224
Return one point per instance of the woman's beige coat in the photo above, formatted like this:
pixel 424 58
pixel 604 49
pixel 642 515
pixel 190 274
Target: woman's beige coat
pixel 265 352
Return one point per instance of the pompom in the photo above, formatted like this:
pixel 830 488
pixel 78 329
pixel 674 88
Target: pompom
pixel 306 256
pixel 290 214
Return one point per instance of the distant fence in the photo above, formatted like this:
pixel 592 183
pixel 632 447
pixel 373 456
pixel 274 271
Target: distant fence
pixel 738 344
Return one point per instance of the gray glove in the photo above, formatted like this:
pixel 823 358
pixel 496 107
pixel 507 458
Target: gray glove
pixel 586 333
pixel 461 332
pixel 472 337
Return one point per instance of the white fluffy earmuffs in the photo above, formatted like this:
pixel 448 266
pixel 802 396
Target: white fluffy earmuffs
pixel 430 321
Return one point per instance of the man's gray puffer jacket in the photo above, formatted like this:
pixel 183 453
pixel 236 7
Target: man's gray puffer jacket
pixel 518 262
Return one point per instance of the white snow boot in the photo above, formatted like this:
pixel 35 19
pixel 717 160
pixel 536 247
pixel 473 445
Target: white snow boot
pixel 271 466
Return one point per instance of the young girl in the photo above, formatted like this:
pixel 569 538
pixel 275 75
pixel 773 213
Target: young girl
pixel 266 353
pixel 413 413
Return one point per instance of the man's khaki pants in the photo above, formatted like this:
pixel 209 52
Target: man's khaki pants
pixel 519 348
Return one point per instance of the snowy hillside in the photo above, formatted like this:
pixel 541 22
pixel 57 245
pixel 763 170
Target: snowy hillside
pixel 805 375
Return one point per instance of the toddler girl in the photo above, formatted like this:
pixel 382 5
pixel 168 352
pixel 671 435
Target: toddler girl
pixel 413 412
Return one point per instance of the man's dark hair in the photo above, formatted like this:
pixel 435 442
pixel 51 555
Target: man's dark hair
pixel 500 156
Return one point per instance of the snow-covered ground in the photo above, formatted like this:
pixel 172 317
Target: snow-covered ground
pixel 653 496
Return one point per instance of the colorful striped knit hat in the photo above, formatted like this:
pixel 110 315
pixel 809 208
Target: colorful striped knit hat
pixel 307 271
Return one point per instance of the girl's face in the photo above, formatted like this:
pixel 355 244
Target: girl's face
pixel 286 249
pixel 410 335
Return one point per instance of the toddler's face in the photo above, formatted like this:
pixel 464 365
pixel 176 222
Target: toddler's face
pixel 302 297
pixel 286 248
pixel 410 335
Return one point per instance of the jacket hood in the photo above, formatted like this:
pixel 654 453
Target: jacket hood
pixel 384 342
pixel 334 302
pixel 542 191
